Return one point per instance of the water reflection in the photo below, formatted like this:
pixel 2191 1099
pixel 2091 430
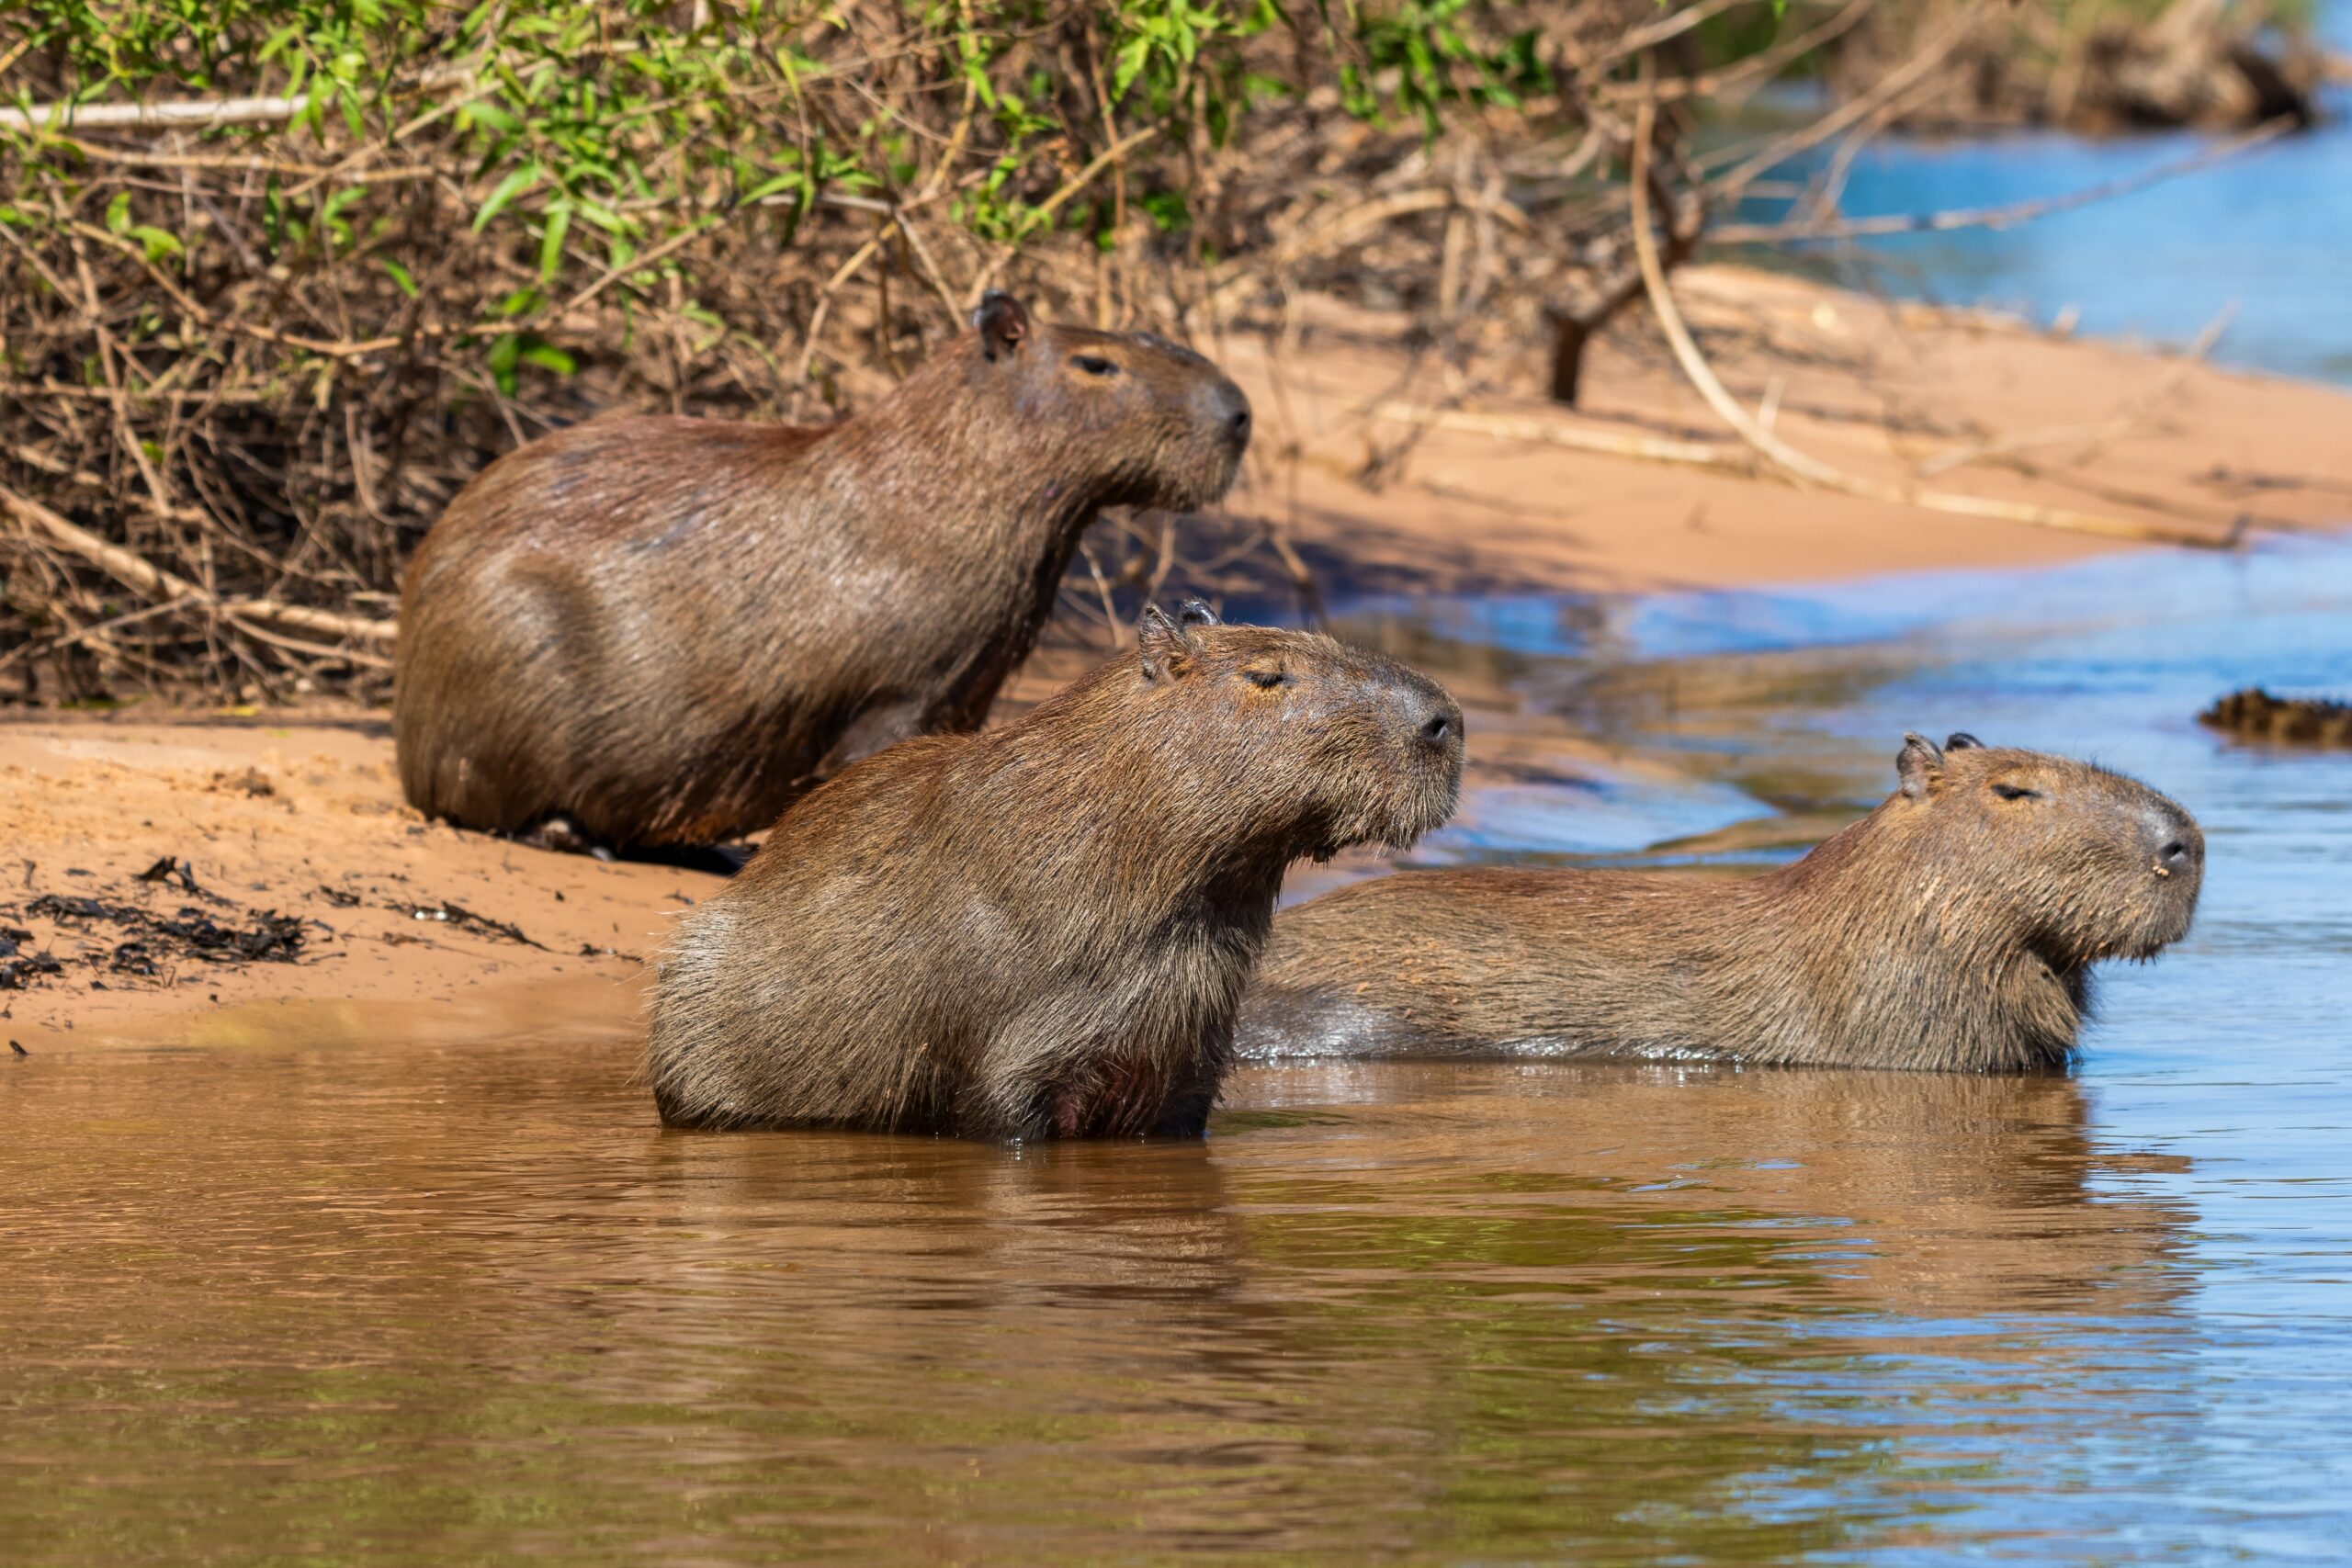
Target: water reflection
pixel 429 1301
pixel 1914 1194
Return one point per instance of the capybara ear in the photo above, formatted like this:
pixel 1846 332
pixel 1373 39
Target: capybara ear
pixel 1961 740
pixel 1919 765
pixel 1002 323
pixel 1167 651
pixel 1195 613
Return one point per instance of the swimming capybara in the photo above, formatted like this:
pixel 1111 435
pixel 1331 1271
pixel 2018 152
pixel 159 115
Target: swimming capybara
pixel 1954 928
pixel 2299 721
pixel 660 631
pixel 1043 929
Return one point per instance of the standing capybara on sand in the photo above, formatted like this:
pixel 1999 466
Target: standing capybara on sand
pixel 1954 928
pixel 1043 929
pixel 660 631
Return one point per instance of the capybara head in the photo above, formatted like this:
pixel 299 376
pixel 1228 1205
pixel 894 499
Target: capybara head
pixel 2082 864
pixel 1149 422
pixel 1311 741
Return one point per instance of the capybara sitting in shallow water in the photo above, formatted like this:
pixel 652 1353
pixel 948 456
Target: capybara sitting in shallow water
pixel 660 631
pixel 1954 928
pixel 1043 929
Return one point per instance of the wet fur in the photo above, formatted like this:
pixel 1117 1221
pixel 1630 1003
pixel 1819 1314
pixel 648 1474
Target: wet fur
pixel 1044 930
pixel 663 630
pixel 1951 930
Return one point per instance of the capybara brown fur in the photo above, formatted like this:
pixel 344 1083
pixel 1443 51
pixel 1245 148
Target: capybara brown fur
pixel 1043 929
pixel 2299 721
pixel 661 631
pixel 1951 929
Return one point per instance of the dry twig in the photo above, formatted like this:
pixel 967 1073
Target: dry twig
pixel 1812 470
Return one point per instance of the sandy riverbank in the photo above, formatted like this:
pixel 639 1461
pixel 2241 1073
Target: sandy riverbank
pixel 1896 393
pixel 299 813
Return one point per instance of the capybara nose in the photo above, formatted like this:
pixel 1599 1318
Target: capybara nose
pixel 2176 856
pixel 1441 723
pixel 1230 408
pixel 2179 846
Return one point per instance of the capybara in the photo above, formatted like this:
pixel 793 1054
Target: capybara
pixel 2301 721
pixel 1043 929
pixel 1954 928
pixel 658 631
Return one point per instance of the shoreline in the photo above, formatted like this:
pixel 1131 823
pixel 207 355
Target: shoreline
pixel 1893 392
pixel 299 812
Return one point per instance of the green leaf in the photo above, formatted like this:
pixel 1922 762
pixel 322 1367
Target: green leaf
pixel 1133 57
pixel 551 241
pixel 547 356
pixel 490 115
pixel 605 218
pixel 399 275
pixel 156 242
pixel 119 213
pixel 513 186
pixel 766 188
pixel 500 361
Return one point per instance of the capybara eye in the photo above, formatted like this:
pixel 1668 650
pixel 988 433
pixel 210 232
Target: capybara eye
pixel 1266 679
pixel 2016 791
pixel 1094 365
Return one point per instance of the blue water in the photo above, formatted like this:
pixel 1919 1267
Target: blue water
pixel 2269 232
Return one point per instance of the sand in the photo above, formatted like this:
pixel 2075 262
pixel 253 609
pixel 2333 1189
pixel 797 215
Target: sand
pixel 300 817
pixel 1888 391
pixel 299 813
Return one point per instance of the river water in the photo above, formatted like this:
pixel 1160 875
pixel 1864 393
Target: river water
pixel 2264 236
pixel 395 1301
pixel 390 1300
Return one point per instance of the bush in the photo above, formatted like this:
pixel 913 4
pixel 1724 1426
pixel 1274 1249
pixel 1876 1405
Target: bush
pixel 277 278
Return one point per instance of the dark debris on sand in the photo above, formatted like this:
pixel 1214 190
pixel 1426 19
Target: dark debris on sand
pixel 188 933
pixel 180 873
pixel 18 967
pixel 465 919
pixel 150 942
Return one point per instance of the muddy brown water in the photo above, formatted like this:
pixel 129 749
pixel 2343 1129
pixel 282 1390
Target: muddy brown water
pixel 462 1302
pixel 373 1295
